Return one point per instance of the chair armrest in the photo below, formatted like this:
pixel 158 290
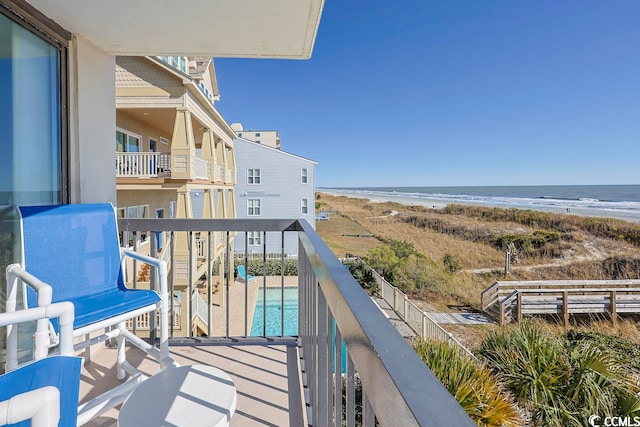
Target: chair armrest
pixel 160 264
pixel 64 311
pixel 15 272
pixel 41 406
pixel 156 262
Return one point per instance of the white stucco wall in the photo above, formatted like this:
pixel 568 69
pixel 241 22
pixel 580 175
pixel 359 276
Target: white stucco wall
pixel 92 123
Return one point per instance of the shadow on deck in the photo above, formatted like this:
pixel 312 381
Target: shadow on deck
pixel 267 379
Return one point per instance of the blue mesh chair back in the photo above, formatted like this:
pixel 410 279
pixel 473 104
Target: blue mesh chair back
pixel 75 249
pixel 61 372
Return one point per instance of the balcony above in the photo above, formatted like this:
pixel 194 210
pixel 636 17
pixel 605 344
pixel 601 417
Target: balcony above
pixel 158 165
pixel 221 28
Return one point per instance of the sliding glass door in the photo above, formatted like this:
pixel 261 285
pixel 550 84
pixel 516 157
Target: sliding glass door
pixel 31 171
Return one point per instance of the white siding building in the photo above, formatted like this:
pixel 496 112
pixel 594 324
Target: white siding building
pixel 272 184
pixel 265 137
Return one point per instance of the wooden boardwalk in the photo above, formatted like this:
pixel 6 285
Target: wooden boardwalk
pixel 460 318
pixel 510 301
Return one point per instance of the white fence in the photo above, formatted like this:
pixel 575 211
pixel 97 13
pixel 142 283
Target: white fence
pixel 143 165
pixel 419 321
pixel 203 168
pixel 217 173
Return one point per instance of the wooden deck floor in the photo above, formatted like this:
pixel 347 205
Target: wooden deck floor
pixel 266 378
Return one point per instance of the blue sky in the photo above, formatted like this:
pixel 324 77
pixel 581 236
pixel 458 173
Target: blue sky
pixel 455 92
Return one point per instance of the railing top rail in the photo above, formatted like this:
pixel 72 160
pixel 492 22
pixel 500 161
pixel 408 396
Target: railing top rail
pixel 183 224
pixel 512 296
pixel 577 290
pixel 547 283
pixel 383 358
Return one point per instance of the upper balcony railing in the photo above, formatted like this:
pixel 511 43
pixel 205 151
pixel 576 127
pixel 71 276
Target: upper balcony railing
pixel 154 165
pixel 336 321
pixel 203 168
pixel 218 171
pixel 143 165
pixel 231 176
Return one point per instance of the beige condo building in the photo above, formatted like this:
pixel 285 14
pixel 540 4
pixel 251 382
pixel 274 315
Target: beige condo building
pixel 172 144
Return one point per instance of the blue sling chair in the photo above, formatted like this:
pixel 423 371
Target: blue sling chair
pixel 71 253
pixel 44 392
pixel 242 274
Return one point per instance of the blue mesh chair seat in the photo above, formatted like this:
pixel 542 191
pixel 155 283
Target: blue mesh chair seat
pixel 108 304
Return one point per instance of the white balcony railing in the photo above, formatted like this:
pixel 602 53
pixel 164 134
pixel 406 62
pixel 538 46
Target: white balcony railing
pixel 202 169
pixel 218 173
pixel 230 175
pixel 143 165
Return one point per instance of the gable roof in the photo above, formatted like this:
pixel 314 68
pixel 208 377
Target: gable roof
pixel 275 150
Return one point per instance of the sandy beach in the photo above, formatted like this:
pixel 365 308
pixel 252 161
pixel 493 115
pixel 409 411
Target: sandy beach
pixel 440 203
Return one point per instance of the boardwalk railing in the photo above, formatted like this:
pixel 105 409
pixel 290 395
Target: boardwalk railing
pixel 419 321
pixel 335 316
pixel 508 301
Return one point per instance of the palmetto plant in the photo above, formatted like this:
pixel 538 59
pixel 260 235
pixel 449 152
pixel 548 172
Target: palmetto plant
pixel 472 384
pixel 559 384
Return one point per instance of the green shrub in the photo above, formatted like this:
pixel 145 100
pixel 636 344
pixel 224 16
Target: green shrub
pixel 383 260
pixel 472 384
pixel 627 353
pixel 402 249
pixel 362 274
pixel 451 263
pixel 255 267
pixel 556 382
pixel 416 273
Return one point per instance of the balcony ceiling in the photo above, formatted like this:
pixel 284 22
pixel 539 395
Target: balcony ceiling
pixel 220 28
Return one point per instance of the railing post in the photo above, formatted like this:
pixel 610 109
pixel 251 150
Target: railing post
pixel 406 308
pixel 322 410
pixel 519 307
pixel 337 375
pixel 612 308
pixel 565 309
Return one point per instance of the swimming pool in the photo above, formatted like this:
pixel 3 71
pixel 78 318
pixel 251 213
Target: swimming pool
pixel 274 312
pixel 274 316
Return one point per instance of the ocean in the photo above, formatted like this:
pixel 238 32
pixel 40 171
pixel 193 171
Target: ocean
pixel 615 201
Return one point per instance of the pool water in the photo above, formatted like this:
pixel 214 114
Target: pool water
pixel 274 316
pixel 274 313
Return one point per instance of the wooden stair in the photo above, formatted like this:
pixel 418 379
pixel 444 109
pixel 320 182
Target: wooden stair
pixel 144 273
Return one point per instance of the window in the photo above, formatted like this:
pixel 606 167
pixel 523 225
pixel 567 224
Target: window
pixel 254 238
pixel 178 62
pixel 304 206
pixel 172 209
pixel 253 176
pixel 304 176
pixel 257 134
pixel 126 238
pixel 164 140
pixel 127 142
pixel 253 207
pixel 153 145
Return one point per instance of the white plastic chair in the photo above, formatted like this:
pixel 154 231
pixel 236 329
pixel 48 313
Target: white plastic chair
pixel 71 253
pixel 45 392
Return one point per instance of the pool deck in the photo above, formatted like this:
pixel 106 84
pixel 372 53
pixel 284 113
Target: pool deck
pixel 237 306
pixel 267 377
